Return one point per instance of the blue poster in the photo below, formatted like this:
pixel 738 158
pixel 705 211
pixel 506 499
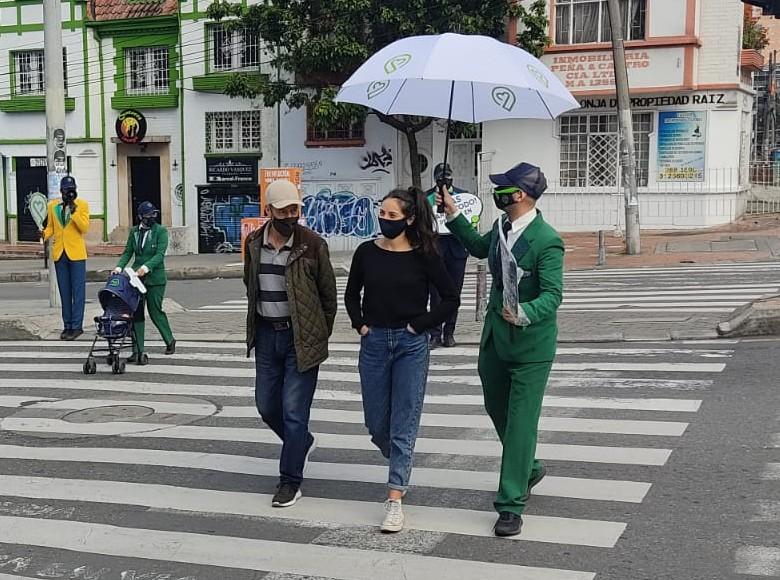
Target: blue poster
pixel 681 145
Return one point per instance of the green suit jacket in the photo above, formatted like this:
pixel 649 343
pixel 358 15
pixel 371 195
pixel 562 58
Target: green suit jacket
pixel 151 255
pixel 539 252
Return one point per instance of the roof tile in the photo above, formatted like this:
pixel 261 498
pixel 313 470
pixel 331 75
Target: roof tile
pixel 101 10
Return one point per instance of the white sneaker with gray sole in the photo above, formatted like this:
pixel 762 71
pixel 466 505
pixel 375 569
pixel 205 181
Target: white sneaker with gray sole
pixel 394 516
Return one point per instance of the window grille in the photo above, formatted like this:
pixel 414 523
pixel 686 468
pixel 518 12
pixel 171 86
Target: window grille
pixel 147 71
pixel 30 74
pixel 233 132
pixel 586 21
pixel 234 50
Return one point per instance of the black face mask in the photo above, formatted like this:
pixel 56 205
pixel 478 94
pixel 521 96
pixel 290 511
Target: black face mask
pixel 504 197
pixel 285 226
pixel 148 221
pixel 69 196
pixel 391 229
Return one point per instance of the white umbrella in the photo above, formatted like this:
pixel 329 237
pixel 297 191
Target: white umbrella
pixel 458 77
pixel 477 78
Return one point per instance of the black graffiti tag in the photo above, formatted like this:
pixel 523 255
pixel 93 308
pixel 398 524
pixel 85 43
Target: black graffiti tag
pixel 377 161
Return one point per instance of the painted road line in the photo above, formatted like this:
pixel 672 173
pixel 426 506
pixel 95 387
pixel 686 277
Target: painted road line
pixel 631 404
pixel 767 511
pixel 555 530
pixel 659 304
pixel 681 291
pixel 354 377
pixel 757 561
pixel 771 472
pixel 263 555
pixel 207 389
pixel 571 487
pixel 638 300
pixel 484 448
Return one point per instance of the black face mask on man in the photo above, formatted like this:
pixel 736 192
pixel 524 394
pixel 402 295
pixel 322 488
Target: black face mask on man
pixel 503 197
pixel 148 220
pixel 391 229
pixel 68 197
pixel 284 226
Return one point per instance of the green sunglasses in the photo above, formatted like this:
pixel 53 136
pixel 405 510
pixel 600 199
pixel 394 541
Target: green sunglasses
pixel 509 190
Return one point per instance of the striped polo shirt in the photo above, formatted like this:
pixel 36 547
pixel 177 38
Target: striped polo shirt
pixel 272 304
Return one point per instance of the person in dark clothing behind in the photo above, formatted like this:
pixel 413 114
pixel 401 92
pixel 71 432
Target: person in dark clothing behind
pixel 454 255
pixel 395 273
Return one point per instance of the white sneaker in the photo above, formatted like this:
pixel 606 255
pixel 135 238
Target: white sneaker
pixel 394 516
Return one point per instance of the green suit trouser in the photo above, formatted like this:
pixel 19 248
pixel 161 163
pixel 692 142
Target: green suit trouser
pixel 153 301
pixel 513 399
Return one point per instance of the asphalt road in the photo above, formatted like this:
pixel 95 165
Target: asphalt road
pixel 664 462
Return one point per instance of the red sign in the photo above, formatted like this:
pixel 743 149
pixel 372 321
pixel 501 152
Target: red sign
pixel 249 225
pixel 270 174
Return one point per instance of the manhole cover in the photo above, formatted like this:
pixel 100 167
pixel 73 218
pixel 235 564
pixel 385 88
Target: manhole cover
pixel 108 414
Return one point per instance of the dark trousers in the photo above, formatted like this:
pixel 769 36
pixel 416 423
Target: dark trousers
pixel 283 396
pixel 72 283
pixel 454 256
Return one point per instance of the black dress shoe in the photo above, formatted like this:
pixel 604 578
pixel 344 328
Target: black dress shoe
pixel 133 358
pixel 508 524
pixel 65 334
pixel 171 348
pixel 449 341
pixel 435 342
pixel 535 480
pixel 74 334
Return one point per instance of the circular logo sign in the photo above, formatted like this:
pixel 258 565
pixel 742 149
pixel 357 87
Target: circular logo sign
pixel 131 126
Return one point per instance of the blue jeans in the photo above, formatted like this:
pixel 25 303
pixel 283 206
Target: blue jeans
pixel 393 374
pixel 72 282
pixel 283 396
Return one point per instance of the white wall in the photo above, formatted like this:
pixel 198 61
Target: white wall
pixel 720 33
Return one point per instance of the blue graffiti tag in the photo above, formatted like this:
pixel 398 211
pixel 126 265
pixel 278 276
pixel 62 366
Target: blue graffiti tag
pixel 341 214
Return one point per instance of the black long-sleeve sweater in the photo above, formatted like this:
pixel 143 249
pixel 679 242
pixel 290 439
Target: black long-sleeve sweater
pixel 396 286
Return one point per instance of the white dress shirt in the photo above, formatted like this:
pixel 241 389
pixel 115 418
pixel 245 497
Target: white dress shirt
pixel 518 227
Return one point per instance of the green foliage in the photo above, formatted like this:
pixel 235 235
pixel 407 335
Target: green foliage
pixel 320 43
pixel 754 35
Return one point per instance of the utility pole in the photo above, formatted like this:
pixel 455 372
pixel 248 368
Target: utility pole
pixel 627 152
pixel 56 154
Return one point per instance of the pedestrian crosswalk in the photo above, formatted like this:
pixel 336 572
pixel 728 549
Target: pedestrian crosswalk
pixel 693 289
pixel 168 468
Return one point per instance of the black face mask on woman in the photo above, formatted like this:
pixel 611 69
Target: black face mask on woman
pixel 285 226
pixel 391 229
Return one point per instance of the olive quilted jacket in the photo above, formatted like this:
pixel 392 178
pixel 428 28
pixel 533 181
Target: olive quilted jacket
pixel 311 291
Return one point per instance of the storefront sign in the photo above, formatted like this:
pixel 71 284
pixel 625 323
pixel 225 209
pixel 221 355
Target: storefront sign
pixel 270 174
pixel 231 170
pixel 659 101
pixel 131 127
pixel 681 145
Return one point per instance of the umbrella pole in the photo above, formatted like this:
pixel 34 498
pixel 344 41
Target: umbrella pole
pixel 447 141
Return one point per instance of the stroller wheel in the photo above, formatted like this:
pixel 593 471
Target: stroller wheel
pixel 110 359
pixel 89 368
pixel 118 367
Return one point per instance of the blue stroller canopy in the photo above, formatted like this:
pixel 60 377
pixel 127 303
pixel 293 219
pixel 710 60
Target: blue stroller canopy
pixel 118 287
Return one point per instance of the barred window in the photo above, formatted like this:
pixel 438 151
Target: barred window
pixel 233 132
pixel 348 132
pixel 590 149
pixel 234 50
pixel 30 77
pixel 147 71
pixel 586 21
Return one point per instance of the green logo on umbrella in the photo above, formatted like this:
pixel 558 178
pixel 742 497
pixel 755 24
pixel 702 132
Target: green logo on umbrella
pixel 504 98
pixel 377 88
pixel 38 207
pixel 538 75
pixel 397 62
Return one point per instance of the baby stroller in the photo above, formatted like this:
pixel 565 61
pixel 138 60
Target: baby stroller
pixel 119 298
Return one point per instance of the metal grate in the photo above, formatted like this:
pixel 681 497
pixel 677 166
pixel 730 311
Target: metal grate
pixel 590 149
pixel 233 50
pixel 233 132
pixel 30 77
pixel 147 71
pixel 584 21
pixel 344 131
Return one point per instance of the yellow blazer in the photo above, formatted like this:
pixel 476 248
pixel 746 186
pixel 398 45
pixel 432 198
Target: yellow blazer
pixel 70 238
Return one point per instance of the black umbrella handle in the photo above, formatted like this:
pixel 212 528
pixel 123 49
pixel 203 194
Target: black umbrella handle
pixel 440 184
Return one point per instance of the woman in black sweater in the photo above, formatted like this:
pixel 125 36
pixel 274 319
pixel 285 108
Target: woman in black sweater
pixel 395 274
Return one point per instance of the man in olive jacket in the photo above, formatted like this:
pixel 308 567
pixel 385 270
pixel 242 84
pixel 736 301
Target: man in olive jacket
pixel 520 334
pixel 147 243
pixel 291 290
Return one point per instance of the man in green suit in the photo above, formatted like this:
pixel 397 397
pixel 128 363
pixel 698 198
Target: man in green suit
pixel 525 256
pixel 148 242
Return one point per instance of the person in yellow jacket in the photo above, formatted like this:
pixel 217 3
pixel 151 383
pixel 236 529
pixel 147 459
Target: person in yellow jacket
pixel 67 223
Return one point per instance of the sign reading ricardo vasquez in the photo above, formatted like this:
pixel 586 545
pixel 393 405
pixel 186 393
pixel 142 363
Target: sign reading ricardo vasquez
pixel 231 170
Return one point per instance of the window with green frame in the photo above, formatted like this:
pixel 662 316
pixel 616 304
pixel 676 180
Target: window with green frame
pixel 29 79
pixel 146 71
pixel 232 50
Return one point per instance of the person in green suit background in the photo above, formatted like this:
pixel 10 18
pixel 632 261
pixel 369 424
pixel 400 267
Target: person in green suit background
pixel 525 256
pixel 148 242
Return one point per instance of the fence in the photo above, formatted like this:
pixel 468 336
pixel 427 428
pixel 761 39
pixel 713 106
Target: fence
pixel 763 196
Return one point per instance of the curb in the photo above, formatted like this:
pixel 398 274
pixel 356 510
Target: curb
pixel 759 318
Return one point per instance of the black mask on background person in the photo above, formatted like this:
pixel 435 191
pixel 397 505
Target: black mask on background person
pixel 391 229
pixel 148 221
pixel 285 226
pixel 68 197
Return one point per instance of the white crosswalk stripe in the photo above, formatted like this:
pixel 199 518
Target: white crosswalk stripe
pixel 180 438
pixel 699 289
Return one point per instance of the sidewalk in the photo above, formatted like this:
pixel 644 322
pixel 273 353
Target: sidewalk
pixel 747 240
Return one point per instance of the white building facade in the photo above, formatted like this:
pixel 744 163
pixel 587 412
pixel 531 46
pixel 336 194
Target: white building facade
pixel 691 102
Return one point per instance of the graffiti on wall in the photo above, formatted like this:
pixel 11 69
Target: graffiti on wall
pixel 341 213
pixel 219 219
pixel 306 167
pixel 377 162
